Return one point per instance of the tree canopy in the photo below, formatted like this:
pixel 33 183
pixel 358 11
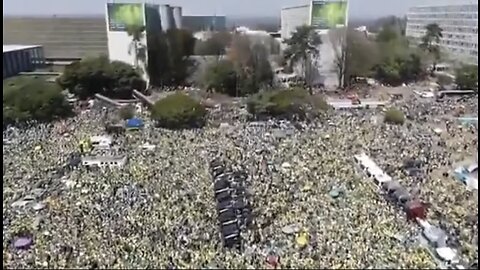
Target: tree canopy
pixel 294 103
pixel 246 70
pixel 31 98
pixel 466 77
pixel 388 57
pixel 215 45
pixel 303 45
pixel 179 111
pixel 169 62
pixel 388 33
pixel 394 116
pixel 430 41
pixel 221 77
pixel 90 76
pixel 362 55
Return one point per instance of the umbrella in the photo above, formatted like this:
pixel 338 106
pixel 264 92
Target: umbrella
pixel 23 242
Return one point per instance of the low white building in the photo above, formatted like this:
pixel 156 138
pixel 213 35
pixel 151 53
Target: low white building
pixel 101 142
pixel 21 58
pixel 104 161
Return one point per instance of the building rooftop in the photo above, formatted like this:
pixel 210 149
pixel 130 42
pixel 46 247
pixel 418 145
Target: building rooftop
pixel 104 158
pixel 298 6
pixel 11 48
pixel 199 16
pixel 431 3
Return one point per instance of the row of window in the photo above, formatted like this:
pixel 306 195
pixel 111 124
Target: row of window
pixel 462 51
pixel 453 8
pixel 467 38
pixel 471 23
pixel 472 30
pixel 37 56
pixel 452 46
pixel 443 16
pixel 471 35
pixel 15 62
pixel 447 29
pixel 450 42
pixel 462 44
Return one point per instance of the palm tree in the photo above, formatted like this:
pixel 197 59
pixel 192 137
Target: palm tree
pixel 430 42
pixel 136 32
pixel 302 48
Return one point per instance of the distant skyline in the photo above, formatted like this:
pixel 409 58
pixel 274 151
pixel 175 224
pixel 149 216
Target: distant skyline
pixel 235 8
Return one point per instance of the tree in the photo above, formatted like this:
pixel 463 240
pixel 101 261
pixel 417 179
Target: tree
pixel 209 47
pixel 221 76
pixel 302 47
pixel 178 111
pixel 393 22
pixel 430 41
pixel 388 34
pixel 31 98
pixel 398 62
pixel 394 116
pixel 399 69
pixel 136 32
pixel 169 62
pixel 216 45
pixel 261 65
pixel 466 77
pixel 338 39
pixel 410 68
pixel 251 64
pixel 295 103
pixel 90 76
pixel 361 57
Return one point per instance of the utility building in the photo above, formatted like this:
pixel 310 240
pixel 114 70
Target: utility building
pixel 21 58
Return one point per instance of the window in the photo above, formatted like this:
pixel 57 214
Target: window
pixel 5 71
pixel 20 62
pixel 9 64
pixel 34 56
pixel 16 64
pixel 24 60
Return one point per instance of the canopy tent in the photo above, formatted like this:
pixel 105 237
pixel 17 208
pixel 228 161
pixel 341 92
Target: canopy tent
pixel 415 209
pixel 134 123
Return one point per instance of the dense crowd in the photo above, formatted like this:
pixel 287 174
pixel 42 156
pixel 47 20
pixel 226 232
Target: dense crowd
pixel 311 207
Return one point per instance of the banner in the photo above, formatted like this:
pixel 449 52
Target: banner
pixel 328 14
pixel 122 15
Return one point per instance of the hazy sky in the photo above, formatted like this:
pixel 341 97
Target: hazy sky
pixel 267 8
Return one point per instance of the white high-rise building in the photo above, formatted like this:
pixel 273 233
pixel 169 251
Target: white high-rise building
pixel 459 21
pixel 324 16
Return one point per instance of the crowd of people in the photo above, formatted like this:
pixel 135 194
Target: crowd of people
pixel 311 207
